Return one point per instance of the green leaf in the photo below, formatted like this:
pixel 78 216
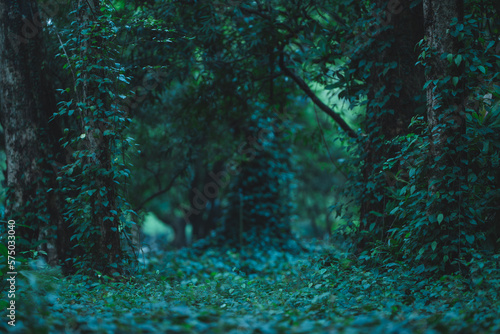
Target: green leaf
pixel 440 218
pixel 458 60
pixel 470 239
pixel 434 245
pixel 455 81
pixel 482 69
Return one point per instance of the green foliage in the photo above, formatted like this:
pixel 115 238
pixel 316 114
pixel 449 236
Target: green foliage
pixel 93 180
pixel 324 291
pixel 259 199
pixel 209 87
pixel 401 216
pixel 224 72
pixel 450 239
pixel 375 71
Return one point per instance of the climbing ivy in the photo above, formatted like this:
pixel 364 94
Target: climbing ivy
pixel 453 239
pixel 259 201
pixel 95 176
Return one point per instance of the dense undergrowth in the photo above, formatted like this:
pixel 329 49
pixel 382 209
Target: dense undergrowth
pixel 323 290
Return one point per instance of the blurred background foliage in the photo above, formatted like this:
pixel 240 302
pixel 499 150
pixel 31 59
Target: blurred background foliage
pixel 219 70
pixel 246 122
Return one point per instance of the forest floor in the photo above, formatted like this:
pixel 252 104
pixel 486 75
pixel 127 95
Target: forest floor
pixel 323 290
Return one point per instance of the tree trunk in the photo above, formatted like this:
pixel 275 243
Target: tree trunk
pixel 203 195
pixel 446 125
pixel 445 119
pixel 26 103
pixel 98 165
pixel 259 207
pixel 394 97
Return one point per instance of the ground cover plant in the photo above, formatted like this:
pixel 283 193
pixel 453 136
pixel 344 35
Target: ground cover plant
pixel 321 290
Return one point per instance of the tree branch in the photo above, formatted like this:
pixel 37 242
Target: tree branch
pixel 303 85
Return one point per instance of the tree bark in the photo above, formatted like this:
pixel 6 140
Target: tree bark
pixel 26 103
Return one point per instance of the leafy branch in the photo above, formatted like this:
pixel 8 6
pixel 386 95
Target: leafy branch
pixel 303 85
